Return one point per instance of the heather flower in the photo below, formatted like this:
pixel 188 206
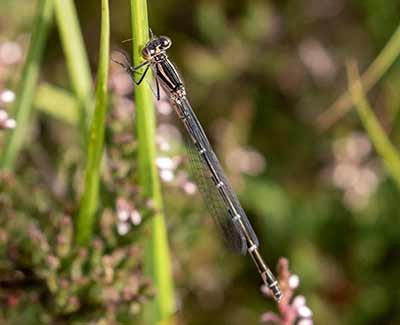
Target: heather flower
pixel 5 121
pixel 292 308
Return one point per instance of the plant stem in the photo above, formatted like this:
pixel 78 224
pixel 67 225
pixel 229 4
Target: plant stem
pixel 77 60
pixel 157 257
pixel 376 133
pixel 89 202
pixel 371 76
pixel 26 90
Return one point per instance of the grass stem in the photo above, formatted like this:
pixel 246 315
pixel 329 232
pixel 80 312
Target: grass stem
pixel 372 75
pixel 89 202
pixel 382 144
pixel 26 91
pixel 157 256
pixel 77 60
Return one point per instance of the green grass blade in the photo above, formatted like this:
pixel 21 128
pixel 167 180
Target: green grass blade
pixel 26 90
pixel 89 202
pixel 376 133
pixel 58 103
pixel 76 57
pixel 157 257
pixel 375 71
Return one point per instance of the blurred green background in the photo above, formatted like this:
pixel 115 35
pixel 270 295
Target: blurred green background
pixel 258 74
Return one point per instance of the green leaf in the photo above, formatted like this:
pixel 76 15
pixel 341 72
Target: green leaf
pixel 157 257
pixel 89 202
pixel 376 133
pixel 26 91
pixel 57 102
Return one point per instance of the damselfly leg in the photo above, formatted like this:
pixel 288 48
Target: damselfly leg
pixel 134 70
pixel 131 69
pixel 157 84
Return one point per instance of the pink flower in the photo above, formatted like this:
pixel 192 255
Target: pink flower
pixel 292 309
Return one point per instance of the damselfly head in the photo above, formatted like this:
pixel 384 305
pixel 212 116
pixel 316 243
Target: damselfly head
pixel 156 46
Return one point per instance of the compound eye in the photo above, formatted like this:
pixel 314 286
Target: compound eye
pixel 165 41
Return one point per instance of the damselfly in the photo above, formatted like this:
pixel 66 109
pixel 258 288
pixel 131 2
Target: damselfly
pixel 225 207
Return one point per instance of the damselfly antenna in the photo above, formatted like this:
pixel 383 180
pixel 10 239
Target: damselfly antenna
pixel 151 35
pixel 127 40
